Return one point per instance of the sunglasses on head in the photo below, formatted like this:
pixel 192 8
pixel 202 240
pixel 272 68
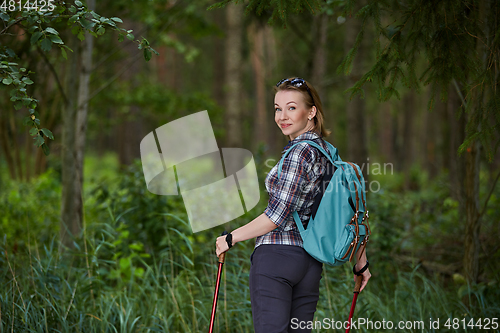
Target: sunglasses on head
pixel 297 82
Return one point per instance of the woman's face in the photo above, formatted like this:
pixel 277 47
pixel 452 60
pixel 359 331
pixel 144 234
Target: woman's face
pixel 291 113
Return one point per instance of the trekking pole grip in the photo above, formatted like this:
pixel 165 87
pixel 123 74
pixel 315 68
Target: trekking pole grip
pixel 222 256
pixel 357 285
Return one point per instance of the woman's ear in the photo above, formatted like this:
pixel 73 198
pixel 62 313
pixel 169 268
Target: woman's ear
pixel 312 113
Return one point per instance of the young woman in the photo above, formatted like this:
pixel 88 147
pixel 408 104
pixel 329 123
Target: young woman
pixel 284 278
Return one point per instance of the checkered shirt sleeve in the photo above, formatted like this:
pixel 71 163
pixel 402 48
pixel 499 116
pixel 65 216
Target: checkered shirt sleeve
pixel 286 193
pixel 294 190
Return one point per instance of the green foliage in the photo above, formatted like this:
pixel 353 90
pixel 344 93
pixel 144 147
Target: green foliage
pixel 41 27
pixel 30 210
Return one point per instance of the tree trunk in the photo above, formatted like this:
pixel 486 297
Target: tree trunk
pixel 457 131
pixel 407 146
pixel 128 145
pixel 472 212
pixel 256 36
pixel 357 151
pixel 71 201
pixel 430 139
pixel 4 140
pixel 218 60
pixel 385 130
pixel 273 135
pixel 17 151
pixel 319 58
pixel 82 112
pixel 234 18
pixel 471 244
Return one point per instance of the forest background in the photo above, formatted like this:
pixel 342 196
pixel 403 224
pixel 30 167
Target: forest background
pixel 409 90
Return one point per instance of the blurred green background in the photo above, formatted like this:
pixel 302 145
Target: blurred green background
pixel 409 90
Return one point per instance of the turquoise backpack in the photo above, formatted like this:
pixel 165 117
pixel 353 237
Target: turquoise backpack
pixel 339 228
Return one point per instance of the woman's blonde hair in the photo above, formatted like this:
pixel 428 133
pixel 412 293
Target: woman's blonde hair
pixel 311 98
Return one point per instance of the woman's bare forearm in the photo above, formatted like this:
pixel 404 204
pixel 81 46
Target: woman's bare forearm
pixel 257 227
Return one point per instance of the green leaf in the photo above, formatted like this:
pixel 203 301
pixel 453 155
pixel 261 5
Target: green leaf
pixel 120 38
pixel 33 131
pixel 56 39
pixel 46 45
pixel 72 9
pixel 39 140
pixel 81 35
pixel 63 52
pixel 130 36
pixel 5 17
pixel 73 18
pixel 117 19
pixel 52 31
pixel 27 80
pixel 100 31
pixel 86 23
pixel 139 272
pixel 48 133
pixel 136 247
pixel 35 37
pixel 78 3
pixel 147 54
pixel 7 81
pixel 11 53
pixel 45 149
pixel 125 263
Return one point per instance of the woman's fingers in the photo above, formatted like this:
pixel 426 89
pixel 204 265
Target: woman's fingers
pixel 221 245
pixel 366 276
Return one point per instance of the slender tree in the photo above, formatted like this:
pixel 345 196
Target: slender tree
pixel 234 19
pixel 256 37
pixel 357 150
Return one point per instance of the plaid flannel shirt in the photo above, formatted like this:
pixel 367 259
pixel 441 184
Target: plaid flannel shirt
pixel 294 190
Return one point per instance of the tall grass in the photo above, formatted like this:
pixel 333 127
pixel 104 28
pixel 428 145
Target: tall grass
pixel 57 291
pixel 138 268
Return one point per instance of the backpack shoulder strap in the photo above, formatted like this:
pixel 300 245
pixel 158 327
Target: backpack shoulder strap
pixel 332 157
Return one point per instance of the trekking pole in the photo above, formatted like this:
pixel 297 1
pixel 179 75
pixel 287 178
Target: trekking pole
pixel 357 286
pixel 222 257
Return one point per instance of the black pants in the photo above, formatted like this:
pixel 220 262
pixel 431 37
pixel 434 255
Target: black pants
pixel 284 285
